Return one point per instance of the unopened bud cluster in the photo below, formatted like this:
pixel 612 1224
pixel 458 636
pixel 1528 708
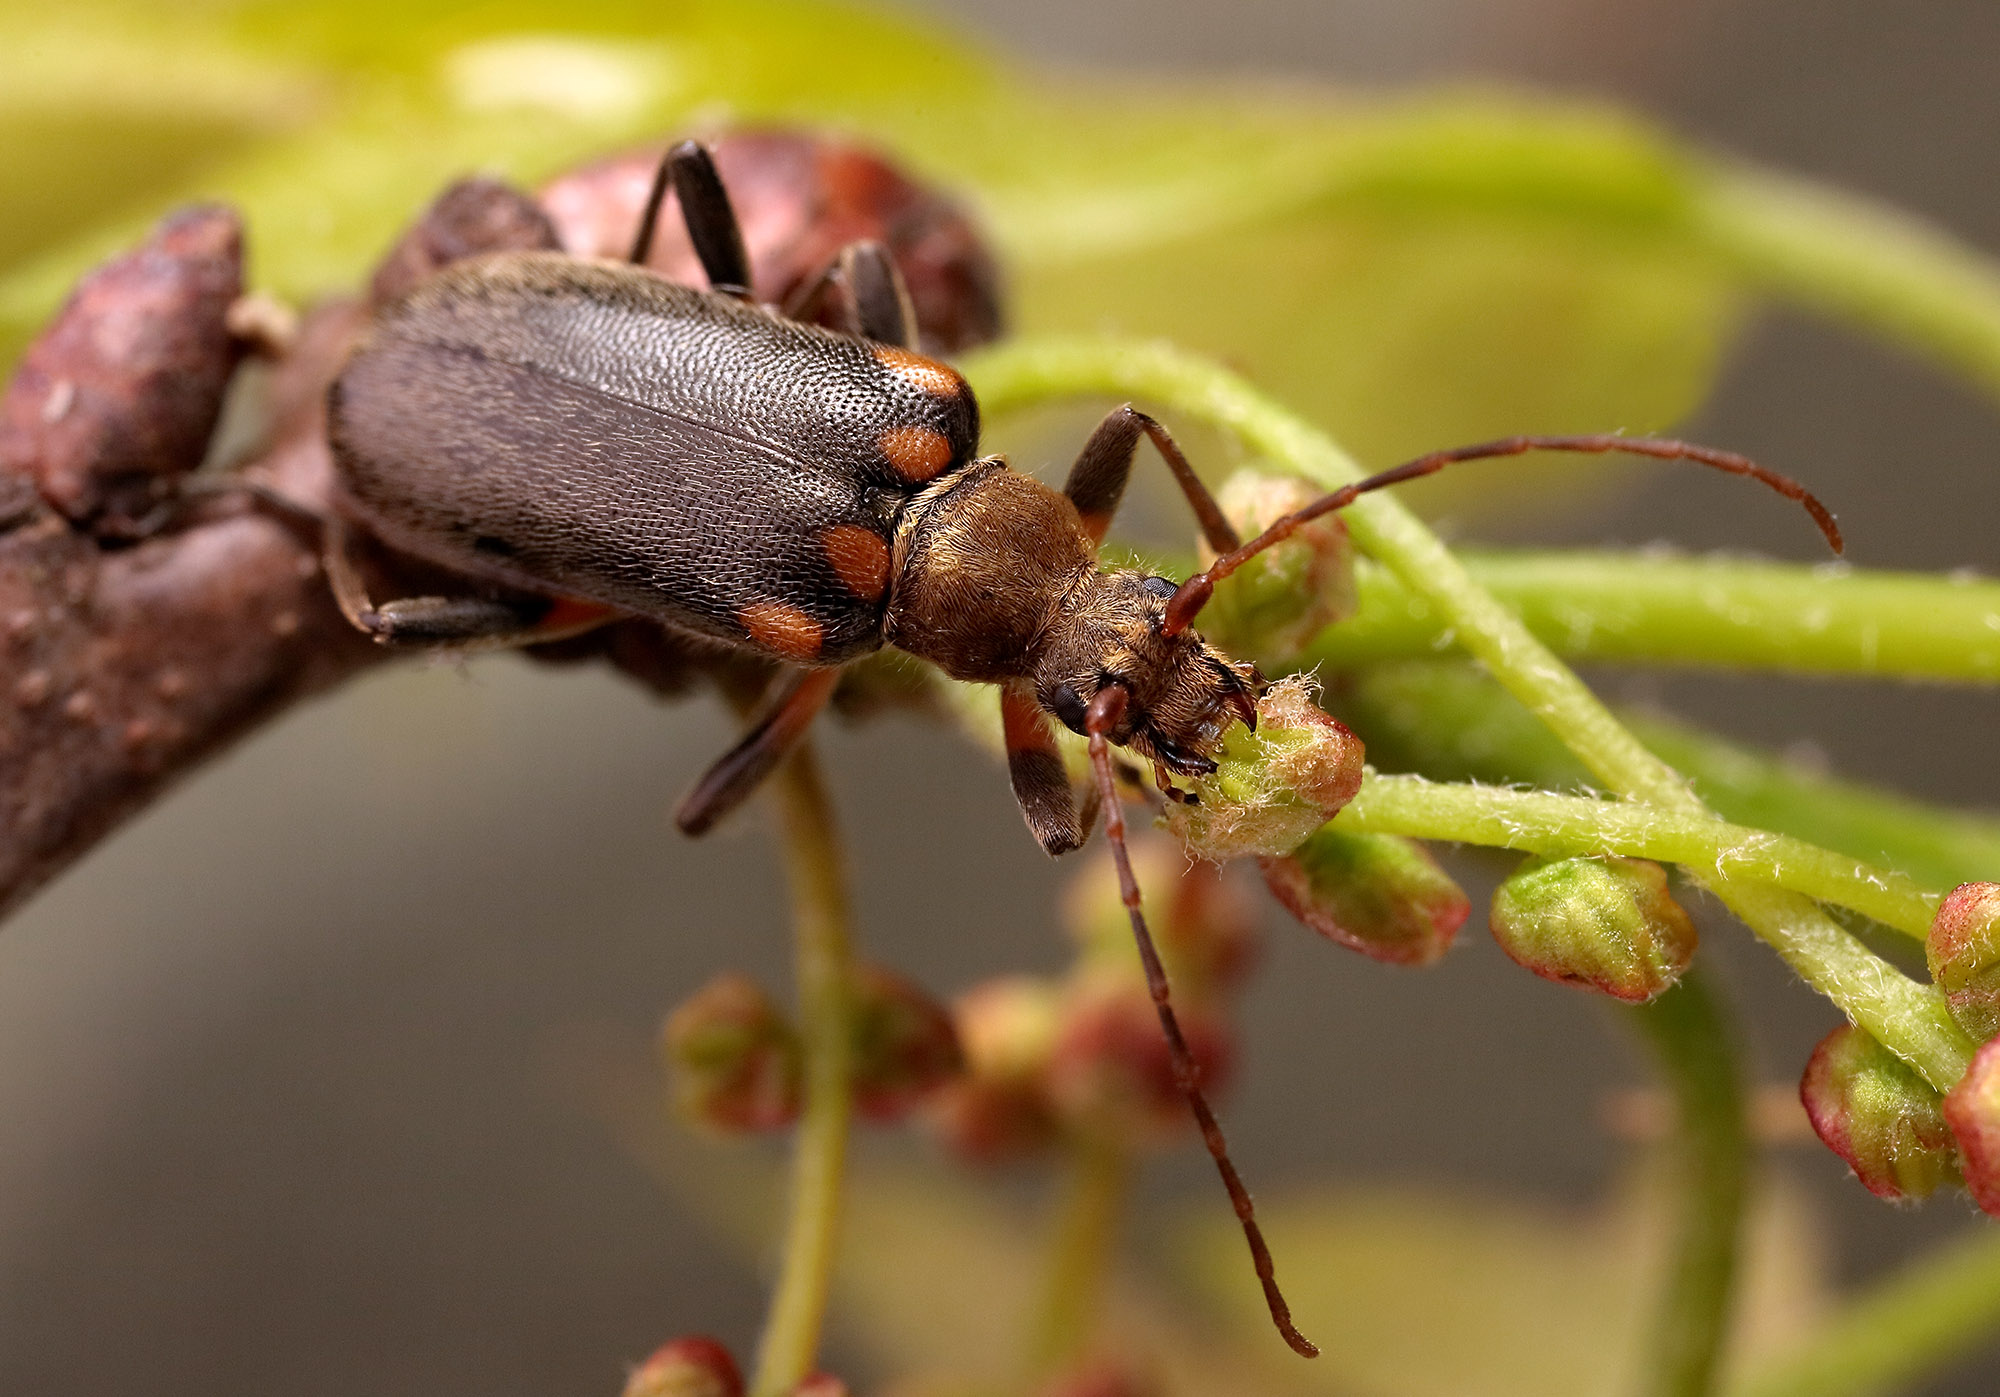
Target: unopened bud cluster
pixel 699 1366
pixel 1276 604
pixel 1872 1110
pixel 1273 787
pixel 1380 894
pixel 1972 1108
pixel 1606 924
pixel 1964 955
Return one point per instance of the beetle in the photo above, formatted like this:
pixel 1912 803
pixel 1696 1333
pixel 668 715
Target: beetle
pixel 613 444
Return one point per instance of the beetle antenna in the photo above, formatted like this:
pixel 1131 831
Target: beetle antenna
pixel 1102 716
pixel 1195 592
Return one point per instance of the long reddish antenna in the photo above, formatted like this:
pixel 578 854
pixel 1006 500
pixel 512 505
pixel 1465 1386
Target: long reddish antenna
pixel 1195 592
pixel 1102 716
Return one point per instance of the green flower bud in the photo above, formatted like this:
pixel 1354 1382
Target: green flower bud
pixel 692 1367
pixel 1964 955
pixel 999 1107
pixel 1112 1071
pixel 1203 923
pixel 905 1045
pixel 1380 894
pixel 1973 1110
pixel 1275 786
pixel 1882 1118
pixel 1605 924
pixel 1277 603
pixel 733 1058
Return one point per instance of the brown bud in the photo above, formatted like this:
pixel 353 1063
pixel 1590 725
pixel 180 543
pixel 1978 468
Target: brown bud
pixel 1202 921
pixel 1112 1070
pixel 1273 787
pixel 905 1045
pixel 733 1057
pixel 800 198
pixel 1964 955
pixel 1605 924
pixel 119 395
pixel 1972 1108
pixel 471 217
pixel 999 1107
pixel 1869 1108
pixel 1379 894
pixel 1277 603
pixel 691 1367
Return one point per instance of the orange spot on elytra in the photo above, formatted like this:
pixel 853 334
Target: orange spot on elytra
pixel 860 557
pixel 925 375
pixel 917 453
pixel 782 629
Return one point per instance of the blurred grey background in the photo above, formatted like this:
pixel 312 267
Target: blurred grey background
pixel 272 1062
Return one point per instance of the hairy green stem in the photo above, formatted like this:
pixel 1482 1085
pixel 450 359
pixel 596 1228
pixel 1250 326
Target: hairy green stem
pixel 1559 826
pixel 1715 612
pixel 1696 1050
pixel 1082 1245
pixel 1934 1310
pixel 824 965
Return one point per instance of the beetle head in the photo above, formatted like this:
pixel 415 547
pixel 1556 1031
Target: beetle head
pixel 1182 693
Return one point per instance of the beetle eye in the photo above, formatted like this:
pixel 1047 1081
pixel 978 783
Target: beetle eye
pixel 1067 705
pixel 1161 587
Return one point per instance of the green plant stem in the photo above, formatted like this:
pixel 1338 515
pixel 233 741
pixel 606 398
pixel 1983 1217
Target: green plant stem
pixel 1713 612
pixel 1910 1019
pixel 1934 1310
pixel 1083 1242
pixel 1560 826
pixel 1696 1051
pixel 824 966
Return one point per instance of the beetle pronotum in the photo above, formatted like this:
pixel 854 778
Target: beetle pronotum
pixel 617 445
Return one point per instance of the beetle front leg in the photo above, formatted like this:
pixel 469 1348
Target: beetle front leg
pixel 793 701
pixel 689 171
pixel 1097 481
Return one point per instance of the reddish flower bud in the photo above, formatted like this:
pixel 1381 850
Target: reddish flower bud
pixel 999 1107
pixel 691 1367
pixel 1202 921
pixel 1098 1380
pixel 1273 787
pixel 821 1385
pixel 733 1057
pixel 1964 955
pixel 1379 894
pixel 905 1045
pixel 1605 924
pixel 1882 1118
pixel 1112 1070
pixel 1972 1108
pixel 1277 603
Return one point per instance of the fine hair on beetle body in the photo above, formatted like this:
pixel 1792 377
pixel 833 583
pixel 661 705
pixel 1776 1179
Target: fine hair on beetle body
pixel 611 444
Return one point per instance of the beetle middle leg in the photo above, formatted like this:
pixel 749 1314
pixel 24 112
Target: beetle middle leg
pixel 689 171
pixel 792 702
pixel 1097 481
pixel 879 306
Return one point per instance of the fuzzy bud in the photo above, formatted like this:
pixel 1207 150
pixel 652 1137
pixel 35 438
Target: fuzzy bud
pixel 999 1107
pixel 1972 1108
pixel 691 1367
pixel 1275 786
pixel 905 1046
pixel 1202 922
pixel 1964 955
pixel 733 1057
pixel 1277 603
pixel 1869 1108
pixel 1380 894
pixel 1605 924
pixel 1112 1070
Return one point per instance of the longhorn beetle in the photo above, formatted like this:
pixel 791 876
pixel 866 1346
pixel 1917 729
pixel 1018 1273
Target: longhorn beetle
pixel 619 445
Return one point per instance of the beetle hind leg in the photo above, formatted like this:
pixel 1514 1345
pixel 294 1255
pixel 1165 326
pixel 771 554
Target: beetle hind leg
pixel 1040 780
pixel 794 700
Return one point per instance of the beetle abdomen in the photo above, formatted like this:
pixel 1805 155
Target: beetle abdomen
pixel 589 429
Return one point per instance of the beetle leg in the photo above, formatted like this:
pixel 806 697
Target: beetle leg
pixel 1097 481
pixel 878 302
pixel 793 701
pixel 689 171
pixel 1035 766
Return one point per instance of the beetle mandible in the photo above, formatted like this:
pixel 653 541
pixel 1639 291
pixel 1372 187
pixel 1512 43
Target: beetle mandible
pixel 618 445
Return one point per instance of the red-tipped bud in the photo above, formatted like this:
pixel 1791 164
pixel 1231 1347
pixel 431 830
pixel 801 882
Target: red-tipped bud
pixel 1276 604
pixel 999 1107
pixel 1964 955
pixel 1112 1071
pixel 1878 1115
pixel 820 1385
pixel 1379 894
pixel 1273 787
pixel 1202 921
pixel 1972 1109
pixel 733 1057
pixel 692 1367
pixel 905 1045
pixel 1605 924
